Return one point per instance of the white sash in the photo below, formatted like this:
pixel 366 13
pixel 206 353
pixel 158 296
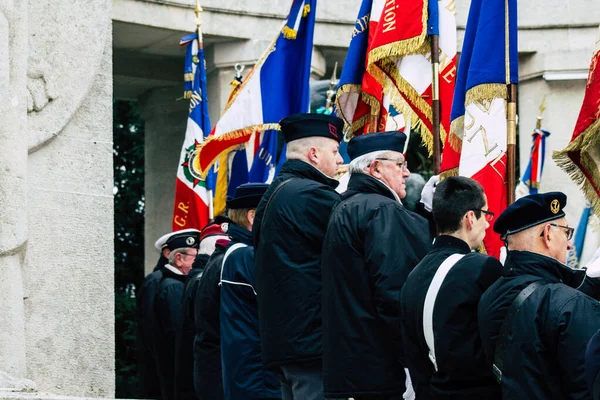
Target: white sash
pixel 227 253
pixel 432 293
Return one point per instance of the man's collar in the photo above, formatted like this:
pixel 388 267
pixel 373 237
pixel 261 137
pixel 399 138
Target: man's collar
pixel 173 269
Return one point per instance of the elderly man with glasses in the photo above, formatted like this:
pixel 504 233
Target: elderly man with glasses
pixel 439 300
pixel 371 245
pixel 537 319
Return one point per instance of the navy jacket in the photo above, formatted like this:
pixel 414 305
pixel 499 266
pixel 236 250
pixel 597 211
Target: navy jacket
pixel 462 372
pixel 372 244
pixel 288 239
pixel 244 375
pixel 544 355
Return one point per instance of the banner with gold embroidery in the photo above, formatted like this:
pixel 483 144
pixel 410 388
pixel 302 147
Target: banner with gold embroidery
pixel 581 158
pixel 478 133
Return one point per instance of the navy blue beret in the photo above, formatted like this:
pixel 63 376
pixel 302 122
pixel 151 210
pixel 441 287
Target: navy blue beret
pixel 247 195
pixel 181 239
pixel 529 211
pixel 368 143
pixel 299 126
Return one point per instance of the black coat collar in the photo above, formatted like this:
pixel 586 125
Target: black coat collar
pixel 239 234
pixel 305 170
pixel 528 263
pixel 444 242
pixel 363 183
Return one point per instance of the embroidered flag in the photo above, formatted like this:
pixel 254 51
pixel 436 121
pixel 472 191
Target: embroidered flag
pixel 581 158
pixel 191 195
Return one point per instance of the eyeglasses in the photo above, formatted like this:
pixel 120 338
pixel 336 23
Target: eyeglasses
pixel 568 230
pixel 489 216
pixel 188 254
pixel 400 163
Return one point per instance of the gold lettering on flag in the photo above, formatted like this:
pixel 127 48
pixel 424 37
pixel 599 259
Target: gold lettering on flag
pixel 451 6
pixel 389 16
pixel 195 100
pixel 361 25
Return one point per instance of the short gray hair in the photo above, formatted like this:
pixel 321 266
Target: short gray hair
pixel 361 164
pixel 181 250
pixel 296 149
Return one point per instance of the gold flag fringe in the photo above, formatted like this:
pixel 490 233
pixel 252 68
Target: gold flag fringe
pixel 189 77
pixel 586 143
pixel 342 90
pixel 289 33
pixel 238 133
pixel 486 91
pixel 457 131
pixel 306 10
pixel 220 203
pixel 448 173
pixel 401 48
pixel 187 94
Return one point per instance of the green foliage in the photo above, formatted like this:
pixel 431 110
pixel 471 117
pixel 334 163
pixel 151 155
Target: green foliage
pixel 128 164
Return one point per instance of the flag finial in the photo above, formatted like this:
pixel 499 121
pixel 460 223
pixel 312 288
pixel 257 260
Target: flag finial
pixel 332 83
pixel 198 11
pixel 538 124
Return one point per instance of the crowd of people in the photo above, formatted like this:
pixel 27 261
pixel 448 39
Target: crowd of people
pixel 304 293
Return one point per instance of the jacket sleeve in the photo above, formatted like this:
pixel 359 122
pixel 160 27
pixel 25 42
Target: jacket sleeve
pixel 168 310
pixel 576 323
pixel 207 308
pixel 392 249
pixel 317 206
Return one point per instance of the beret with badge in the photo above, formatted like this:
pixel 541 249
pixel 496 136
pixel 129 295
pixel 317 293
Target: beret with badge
pixel 179 239
pixel 247 195
pixel 218 227
pixel 377 141
pixel 529 211
pixel 298 126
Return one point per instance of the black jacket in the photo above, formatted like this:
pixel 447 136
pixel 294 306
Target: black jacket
pixel 544 356
pixel 462 367
pixel 592 365
pixel 186 331
pixel 372 244
pixel 288 240
pixel 167 308
pixel 244 375
pixel 208 382
pixel 147 368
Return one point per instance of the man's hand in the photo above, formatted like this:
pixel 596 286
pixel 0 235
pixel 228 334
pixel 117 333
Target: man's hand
pixel 428 191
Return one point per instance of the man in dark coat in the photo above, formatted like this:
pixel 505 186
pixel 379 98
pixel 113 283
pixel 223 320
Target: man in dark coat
pixel 147 370
pixel 541 356
pixel 244 374
pixel 186 330
pixel 167 305
pixel 208 381
pixel 288 234
pixel 371 245
pixel 439 300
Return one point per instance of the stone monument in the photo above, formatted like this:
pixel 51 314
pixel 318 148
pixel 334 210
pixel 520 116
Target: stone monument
pixel 56 206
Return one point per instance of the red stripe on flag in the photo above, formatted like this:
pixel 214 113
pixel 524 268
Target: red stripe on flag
pixel 189 210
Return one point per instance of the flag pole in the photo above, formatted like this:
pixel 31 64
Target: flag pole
pixel 511 141
pixel 330 92
pixel 538 122
pixel 198 20
pixel 435 102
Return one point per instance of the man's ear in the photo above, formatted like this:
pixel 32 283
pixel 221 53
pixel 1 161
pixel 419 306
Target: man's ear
pixel 166 253
pixel 374 169
pixel 546 236
pixel 313 155
pixel 470 219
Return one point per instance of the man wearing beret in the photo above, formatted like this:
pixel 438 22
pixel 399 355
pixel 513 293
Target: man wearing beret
pixel 288 235
pixel 536 320
pixel 439 300
pixel 167 304
pixel 147 364
pixel 184 356
pixel 244 374
pixel 372 244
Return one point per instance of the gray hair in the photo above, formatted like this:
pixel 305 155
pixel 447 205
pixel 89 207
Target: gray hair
pixel 361 164
pixel 174 253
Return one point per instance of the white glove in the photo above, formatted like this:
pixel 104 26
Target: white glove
pixel 428 191
pixel 593 266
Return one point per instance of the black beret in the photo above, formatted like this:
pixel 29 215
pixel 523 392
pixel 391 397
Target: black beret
pixel 529 211
pixel 368 143
pixel 299 126
pixel 247 195
pixel 181 239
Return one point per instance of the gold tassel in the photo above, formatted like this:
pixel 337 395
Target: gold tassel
pixel 289 33
pixel 486 91
pixel 189 77
pixel 306 10
pixel 585 144
pixel 457 131
pixel 237 134
pixel 187 94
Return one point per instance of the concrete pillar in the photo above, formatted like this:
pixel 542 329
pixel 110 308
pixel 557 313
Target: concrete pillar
pixel 165 123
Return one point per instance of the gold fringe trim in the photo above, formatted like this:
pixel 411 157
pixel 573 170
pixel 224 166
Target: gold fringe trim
pixel 289 33
pixel 238 133
pixel 448 173
pixel 342 90
pixel 587 142
pixel 486 91
pixel 457 131
pixel 482 249
pixel 401 48
pixel 187 94
pixel 189 77
pixel 220 202
pixel 306 10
